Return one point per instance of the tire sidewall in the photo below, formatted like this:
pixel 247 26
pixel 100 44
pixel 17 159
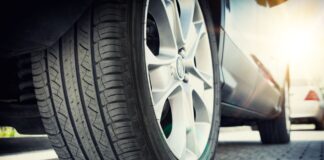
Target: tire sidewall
pixel 286 108
pixel 210 150
pixel 155 138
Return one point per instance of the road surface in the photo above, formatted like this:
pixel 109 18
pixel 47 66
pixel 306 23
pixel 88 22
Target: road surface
pixel 246 145
pixel 234 144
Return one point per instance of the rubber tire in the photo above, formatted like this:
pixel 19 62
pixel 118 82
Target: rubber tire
pixel 319 126
pixel 91 92
pixel 274 131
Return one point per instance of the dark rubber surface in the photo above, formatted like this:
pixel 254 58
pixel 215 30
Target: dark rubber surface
pixel 87 117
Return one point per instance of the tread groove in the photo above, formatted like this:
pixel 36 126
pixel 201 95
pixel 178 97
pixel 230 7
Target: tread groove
pixel 54 109
pixel 45 85
pixel 65 94
pixel 81 90
pixel 95 83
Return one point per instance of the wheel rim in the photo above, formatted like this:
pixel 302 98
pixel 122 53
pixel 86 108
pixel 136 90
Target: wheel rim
pixel 180 73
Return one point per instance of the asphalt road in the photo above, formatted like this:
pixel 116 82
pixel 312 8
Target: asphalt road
pixel 234 144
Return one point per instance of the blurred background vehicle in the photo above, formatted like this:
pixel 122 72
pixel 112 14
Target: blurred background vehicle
pixel 307 103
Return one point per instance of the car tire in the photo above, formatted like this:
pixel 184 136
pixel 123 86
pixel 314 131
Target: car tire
pixel 319 125
pixel 277 130
pixel 94 89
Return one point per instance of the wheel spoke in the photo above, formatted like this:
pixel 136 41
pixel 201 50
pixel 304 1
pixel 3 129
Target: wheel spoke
pixel 168 22
pixel 197 137
pixel 196 32
pixel 197 128
pixel 202 100
pixel 178 139
pixel 161 95
pixel 203 109
pixel 153 61
pixel 189 118
pixel 190 155
pixel 192 141
pixel 202 132
pixel 206 78
pixel 187 10
pixel 188 105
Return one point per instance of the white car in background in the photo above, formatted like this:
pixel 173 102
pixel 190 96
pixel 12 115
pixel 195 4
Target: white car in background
pixel 307 104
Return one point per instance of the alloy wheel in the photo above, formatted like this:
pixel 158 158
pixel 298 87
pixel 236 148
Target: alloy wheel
pixel 180 73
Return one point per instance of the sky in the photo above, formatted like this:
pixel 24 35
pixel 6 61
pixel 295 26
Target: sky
pixel 293 31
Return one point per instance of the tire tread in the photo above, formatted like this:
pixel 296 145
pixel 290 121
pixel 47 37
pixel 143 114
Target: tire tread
pixel 85 91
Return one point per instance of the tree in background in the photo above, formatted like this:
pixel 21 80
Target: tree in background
pixel 6 132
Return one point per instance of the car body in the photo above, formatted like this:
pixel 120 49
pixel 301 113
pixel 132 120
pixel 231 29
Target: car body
pixel 67 63
pixel 252 81
pixel 307 103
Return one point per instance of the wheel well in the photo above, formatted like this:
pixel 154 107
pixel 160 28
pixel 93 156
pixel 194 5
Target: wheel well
pixel 33 25
pixel 18 106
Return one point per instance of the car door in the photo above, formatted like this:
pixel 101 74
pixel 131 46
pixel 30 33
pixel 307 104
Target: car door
pixel 239 70
pixel 248 23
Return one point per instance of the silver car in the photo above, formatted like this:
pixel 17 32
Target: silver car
pixel 307 104
pixel 255 86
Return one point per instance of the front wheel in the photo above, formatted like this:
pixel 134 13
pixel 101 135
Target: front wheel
pixel 277 131
pixel 132 80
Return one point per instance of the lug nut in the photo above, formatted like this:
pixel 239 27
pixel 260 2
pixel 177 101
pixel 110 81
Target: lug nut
pixel 186 78
pixel 182 52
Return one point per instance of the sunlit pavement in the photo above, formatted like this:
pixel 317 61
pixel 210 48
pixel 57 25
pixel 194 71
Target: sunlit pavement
pixel 26 148
pixel 243 144
pixel 235 143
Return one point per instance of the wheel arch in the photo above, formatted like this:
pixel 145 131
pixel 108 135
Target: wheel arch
pixel 35 25
pixel 218 14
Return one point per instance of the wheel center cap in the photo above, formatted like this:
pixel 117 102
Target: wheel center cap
pixel 180 69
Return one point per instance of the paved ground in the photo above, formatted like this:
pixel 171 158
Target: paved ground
pixel 26 148
pixel 245 145
pixel 234 144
